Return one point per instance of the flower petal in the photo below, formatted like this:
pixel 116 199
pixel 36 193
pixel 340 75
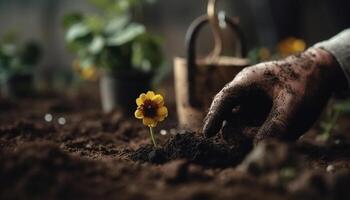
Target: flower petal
pixel 150 95
pixel 138 114
pixel 141 99
pixel 149 122
pixel 158 99
pixel 162 113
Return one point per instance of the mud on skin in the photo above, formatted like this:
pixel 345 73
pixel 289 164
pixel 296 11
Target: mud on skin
pixel 291 92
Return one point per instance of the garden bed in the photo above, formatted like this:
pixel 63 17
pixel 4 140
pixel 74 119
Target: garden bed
pixel 67 149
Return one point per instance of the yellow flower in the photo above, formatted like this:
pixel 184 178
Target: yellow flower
pixel 89 73
pixel 151 109
pixel 291 45
pixel 264 54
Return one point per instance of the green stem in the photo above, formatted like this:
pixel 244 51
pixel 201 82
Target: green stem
pixel 332 124
pixel 152 136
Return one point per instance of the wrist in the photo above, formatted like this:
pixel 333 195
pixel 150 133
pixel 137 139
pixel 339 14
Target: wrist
pixel 329 68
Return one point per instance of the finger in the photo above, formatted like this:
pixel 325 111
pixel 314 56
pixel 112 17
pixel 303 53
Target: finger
pixel 279 120
pixel 221 108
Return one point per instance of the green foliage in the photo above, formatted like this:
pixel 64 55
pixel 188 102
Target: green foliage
pixel 126 35
pixel 113 41
pixel 17 58
pixel 71 19
pixel 119 7
pixel 146 51
pixel 330 121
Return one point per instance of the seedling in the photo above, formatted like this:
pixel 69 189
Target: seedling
pixel 151 109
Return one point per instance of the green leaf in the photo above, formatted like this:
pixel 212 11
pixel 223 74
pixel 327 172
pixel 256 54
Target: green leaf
pixel 77 31
pixel 71 19
pixel 147 53
pixel 9 49
pixel 95 23
pixel 116 24
pixel 97 45
pixel 124 5
pixel 127 35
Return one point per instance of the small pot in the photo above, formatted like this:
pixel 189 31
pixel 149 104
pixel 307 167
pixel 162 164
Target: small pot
pixel 18 85
pixel 120 90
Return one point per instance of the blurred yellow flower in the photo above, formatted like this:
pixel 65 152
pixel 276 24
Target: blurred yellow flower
pixel 151 109
pixel 88 73
pixel 264 54
pixel 291 45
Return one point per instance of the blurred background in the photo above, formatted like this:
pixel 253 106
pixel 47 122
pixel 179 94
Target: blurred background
pixel 62 38
pixel 264 22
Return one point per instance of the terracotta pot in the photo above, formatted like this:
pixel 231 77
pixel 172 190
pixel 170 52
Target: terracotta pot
pixel 121 90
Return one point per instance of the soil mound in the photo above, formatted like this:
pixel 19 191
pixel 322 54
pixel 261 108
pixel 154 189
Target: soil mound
pixel 209 152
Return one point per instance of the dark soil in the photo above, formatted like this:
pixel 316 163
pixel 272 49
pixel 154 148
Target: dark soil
pixel 109 156
pixel 40 170
pixel 198 150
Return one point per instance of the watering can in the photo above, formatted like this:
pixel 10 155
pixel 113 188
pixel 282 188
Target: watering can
pixel 198 80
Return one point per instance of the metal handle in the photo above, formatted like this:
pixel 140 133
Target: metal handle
pixel 217 33
pixel 191 38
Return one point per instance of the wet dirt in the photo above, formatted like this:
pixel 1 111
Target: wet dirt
pixel 109 156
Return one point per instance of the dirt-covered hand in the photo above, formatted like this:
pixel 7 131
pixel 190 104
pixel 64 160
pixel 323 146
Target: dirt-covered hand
pixel 280 99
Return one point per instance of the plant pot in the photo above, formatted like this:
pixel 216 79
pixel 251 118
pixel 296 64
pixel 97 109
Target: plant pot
pixel 18 85
pixel 121 90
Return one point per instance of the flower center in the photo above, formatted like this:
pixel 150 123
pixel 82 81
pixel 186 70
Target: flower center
pixel 149 109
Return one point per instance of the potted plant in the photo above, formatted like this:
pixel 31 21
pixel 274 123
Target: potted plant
pixel 17 62
pixel 126 55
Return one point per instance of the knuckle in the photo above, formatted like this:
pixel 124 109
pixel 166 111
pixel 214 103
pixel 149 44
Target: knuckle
pixel 216 101
pixel 244 73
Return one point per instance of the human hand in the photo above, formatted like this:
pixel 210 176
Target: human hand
pixel 280 99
